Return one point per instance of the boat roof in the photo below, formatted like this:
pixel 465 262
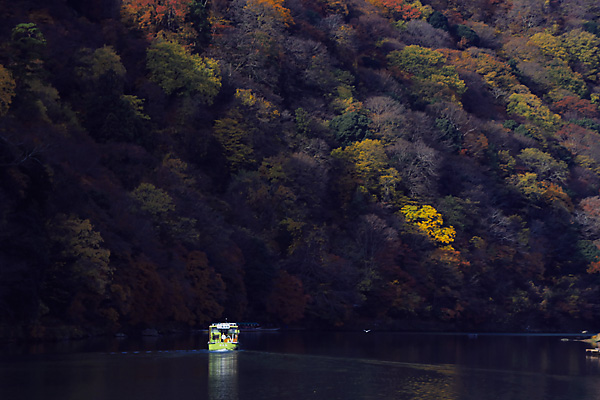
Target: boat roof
pixel 224 325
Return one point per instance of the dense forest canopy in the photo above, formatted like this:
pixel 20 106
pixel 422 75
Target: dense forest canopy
pixel 335 163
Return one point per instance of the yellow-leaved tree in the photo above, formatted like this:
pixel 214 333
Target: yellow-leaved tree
pixel 576 46
pixel 177 71
pixel 236 136
pixel 101 61
pixel 82 253
pixel 434 78
pixel 264 109
pixel 80 273
pixel 528 105
pixel 496 74
pixel 372 168
pixel 429 222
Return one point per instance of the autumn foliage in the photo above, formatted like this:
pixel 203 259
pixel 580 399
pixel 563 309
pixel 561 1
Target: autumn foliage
pixel 7 89
pixel 156 15
pixel 430 222
pixel 398 9
pixel 271 9
pixel 166 163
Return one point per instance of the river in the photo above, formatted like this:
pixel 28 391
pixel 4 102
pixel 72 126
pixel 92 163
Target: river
pixel 305 365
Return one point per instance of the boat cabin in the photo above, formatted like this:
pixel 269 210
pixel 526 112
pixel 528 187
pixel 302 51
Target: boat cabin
pixel 223 336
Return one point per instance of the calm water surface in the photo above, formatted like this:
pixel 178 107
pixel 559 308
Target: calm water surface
pixel 301 365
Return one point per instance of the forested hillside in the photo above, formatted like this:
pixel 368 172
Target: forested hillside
pixel 334 163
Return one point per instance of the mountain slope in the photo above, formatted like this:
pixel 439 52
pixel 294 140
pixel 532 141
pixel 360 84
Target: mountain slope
pixel 416 165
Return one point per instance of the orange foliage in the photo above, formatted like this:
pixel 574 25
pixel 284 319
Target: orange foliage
pixel 449 256
pixel 593 268
pixel 397 9
pixel 556 196
pixel 475 144
pixel 272 8
pixel 157 15
pixel 460 59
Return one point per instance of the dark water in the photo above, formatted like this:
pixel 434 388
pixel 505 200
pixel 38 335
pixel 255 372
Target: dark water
pixel 300 365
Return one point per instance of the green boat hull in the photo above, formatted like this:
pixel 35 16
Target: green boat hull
pixel 222 346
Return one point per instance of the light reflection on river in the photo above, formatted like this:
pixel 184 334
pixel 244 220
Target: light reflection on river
pixel 297 365
pixel 223 375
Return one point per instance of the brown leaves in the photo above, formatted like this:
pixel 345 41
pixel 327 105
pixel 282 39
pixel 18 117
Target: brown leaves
pixel 7 89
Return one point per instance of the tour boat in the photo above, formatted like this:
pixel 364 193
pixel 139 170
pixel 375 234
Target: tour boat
pixel 223 336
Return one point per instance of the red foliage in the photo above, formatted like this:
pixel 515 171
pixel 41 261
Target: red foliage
pixel 401 9
pixel 593 268
pixel 140 291
pixel 288 300
pixel 576 106
pixel 575 138
pixel 591 206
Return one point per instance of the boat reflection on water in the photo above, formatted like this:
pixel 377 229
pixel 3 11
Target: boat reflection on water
pixel 223 375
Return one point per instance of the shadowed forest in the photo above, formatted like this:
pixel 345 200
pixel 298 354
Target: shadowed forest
pixel 389 164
